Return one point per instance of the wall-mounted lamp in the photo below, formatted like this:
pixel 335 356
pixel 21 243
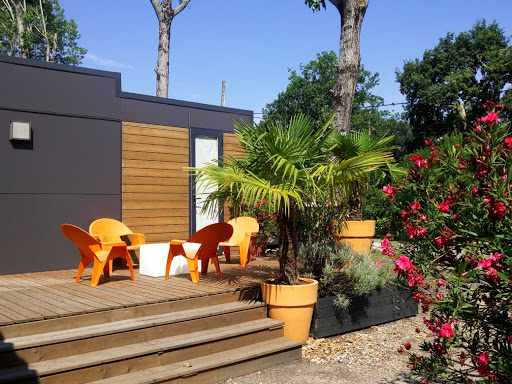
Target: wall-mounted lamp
pixel 21 131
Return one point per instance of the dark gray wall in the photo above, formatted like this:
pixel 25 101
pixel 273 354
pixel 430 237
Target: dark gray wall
pixel 71 170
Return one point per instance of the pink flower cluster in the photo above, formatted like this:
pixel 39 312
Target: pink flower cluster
pixel 388 190
pixel 386 248
pixel 442 329
pixel 491 118
pixel 492 265
pixel 419 161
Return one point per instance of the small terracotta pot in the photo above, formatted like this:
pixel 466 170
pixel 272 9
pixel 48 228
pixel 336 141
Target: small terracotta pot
pixel 257 248
pixel 292 304
pixel 358 234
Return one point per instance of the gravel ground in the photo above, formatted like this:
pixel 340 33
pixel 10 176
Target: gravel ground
pixel 368 356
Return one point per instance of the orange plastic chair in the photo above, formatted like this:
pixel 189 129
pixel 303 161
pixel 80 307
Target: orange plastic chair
pixel 110 230
pixel 93 250
pixel 207 241
pixel 243 228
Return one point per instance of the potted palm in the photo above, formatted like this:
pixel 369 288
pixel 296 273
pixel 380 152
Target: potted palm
pixel 355 231
pixel 291 166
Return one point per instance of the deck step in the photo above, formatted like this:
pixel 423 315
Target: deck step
pixel 212 367
pixel 97 330
pixel 74 368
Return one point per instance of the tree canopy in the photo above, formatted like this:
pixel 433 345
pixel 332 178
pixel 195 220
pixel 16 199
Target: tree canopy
pixel 38 29
pixel 447 88
pixel 309 92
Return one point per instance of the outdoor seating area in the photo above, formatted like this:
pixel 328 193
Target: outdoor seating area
pixel 107 238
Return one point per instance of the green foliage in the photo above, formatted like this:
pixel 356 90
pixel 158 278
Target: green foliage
pixel 309 92
pixel 47 35
pixel 344 273
pixel 289 165
pixel 455 210
pixel 446 88
pixel 265 213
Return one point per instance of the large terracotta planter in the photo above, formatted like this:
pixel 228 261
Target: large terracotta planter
pixel 292 304
pixel 357 234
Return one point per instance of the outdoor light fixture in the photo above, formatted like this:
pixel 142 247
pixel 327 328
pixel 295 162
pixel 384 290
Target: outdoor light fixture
pixel 20 131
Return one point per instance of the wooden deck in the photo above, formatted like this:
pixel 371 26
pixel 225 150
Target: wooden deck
pixel 46 295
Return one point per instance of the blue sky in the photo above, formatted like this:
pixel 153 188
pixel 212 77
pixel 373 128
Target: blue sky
pixel 252 44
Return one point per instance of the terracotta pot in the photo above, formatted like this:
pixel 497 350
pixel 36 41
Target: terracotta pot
pixel 292 304
pixel 257 248
pixel 357 234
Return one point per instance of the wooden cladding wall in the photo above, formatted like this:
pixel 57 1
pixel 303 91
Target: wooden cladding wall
pixel 155 194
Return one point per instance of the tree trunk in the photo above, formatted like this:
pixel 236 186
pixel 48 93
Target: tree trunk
pixel 352 13
pixel 355 204
pixel 162 66
pixel 287 253
pixel 18 11
pixel 165 14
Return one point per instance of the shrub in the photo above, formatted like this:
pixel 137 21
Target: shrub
pixel 343 273
pixel 455 212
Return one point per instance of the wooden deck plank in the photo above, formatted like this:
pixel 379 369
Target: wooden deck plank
pixel 43 295
pixel 68 293
pixel 29 297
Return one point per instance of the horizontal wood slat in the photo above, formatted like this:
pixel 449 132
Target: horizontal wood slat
pixel 169 220
pixel 177 201
pixel 159 204
pixel 166 237
pixel 175 158
pixel 151 140
pixel 131 170
pixel 174 212
pixel 162 229
pixel 151 148
pixel 155 187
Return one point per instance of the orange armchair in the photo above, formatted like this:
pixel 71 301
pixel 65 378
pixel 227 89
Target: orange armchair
pixel 243 228
pixel 110 230
pixel 202 245
pixel 93 250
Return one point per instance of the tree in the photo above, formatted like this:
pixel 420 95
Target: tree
pixel 310 92
pixel 288 164
pixel 165 14
pixel 448 87
pixel 38 29
pixel 352 13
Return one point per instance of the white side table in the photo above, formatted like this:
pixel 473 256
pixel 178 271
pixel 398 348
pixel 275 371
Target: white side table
pixel 153 259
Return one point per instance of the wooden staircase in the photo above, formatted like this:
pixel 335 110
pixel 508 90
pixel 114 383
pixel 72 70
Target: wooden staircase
pixel 199 340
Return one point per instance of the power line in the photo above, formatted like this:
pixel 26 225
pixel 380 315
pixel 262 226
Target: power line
pixel 364 106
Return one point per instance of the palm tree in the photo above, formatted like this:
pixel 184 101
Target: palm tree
pixel 346 147
pixel 290 165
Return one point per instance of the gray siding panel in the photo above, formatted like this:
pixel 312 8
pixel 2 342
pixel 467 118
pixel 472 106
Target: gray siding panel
pixel 68 155
pixel 30 229
pixel 45 90
pixel 214 120
pixel 140 111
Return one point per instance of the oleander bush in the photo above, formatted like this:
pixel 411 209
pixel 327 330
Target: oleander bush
pixel 454 211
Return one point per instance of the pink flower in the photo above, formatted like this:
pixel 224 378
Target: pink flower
pixel 407 346
pixel 444 208
pixel 378 264
pixel 423 218
pixel 510 339
pixel 497 210
pixel 388 190
pixel 403 263
pixel 386 248
pixel 416 205
pixel 439 295
pixel 508 142
pixel 422 231
pixel 488 199
pixel 491 118
pixel 441 283
pixel 483 364
pixel 442 240
pixel 446 331
pixel 428 143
